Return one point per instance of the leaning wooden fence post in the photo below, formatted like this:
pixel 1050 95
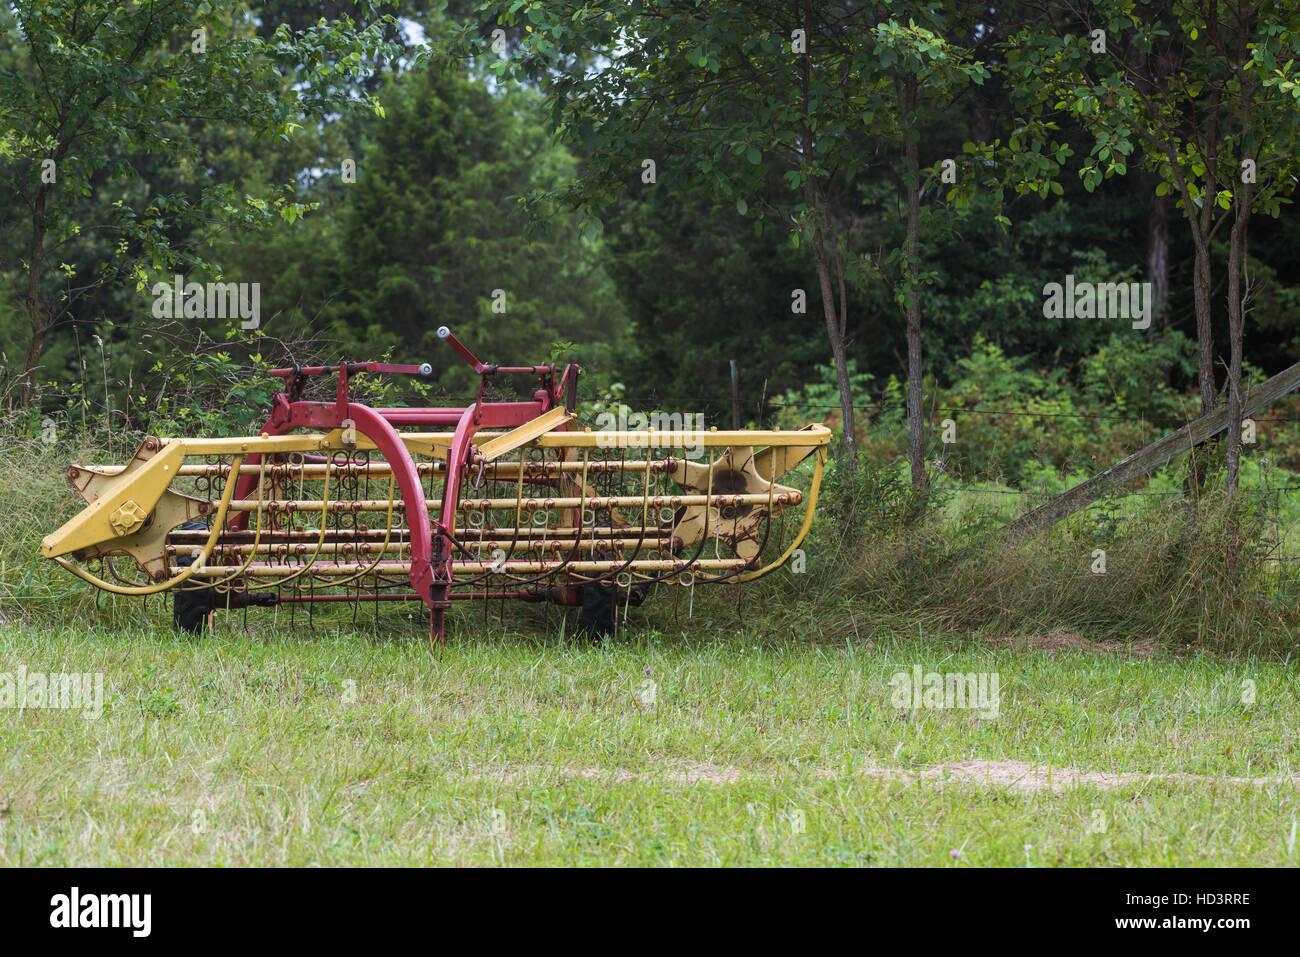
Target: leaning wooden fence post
pixel 1150 458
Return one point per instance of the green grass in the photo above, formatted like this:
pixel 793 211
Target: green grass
pixel 772 738
pixel 520 747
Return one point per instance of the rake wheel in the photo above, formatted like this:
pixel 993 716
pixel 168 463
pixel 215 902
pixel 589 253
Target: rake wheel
pixel 190 608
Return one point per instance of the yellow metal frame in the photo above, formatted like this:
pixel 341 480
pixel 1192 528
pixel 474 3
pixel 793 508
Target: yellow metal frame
pixel 810 509
pixel 525 433
pixel 138 487
pixel 175 580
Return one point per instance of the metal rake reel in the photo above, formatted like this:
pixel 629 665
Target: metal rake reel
pixel 343 502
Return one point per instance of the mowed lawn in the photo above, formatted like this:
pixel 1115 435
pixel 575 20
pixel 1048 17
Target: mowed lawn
pixel 700 745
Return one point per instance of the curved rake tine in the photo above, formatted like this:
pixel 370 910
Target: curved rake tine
pixel 218 585
pixel 383 548
pixel 761 545
pixel 518 580
pixel 320 539
pixel 645 512
pixel 514 541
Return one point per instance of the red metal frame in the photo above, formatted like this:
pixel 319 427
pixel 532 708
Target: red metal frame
pixel 431 564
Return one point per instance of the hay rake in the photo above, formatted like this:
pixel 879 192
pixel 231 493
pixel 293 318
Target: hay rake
pixel 342 502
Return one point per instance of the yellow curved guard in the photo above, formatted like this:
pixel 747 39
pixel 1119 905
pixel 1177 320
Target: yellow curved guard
pixel 809 511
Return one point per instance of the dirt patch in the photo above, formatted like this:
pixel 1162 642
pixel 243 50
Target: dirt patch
pixel 1062 639
pixel 1023 776
pixel 1001 775
pixel 1020 776
pixel 678 773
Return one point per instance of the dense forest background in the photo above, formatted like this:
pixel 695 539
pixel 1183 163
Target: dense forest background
pixel 367 223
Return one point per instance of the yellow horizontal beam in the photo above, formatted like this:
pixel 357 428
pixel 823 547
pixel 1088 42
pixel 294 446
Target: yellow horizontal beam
pixel 539 426
pixel 817 436
pixel 436 443
pixel 602 502
pixel 323 569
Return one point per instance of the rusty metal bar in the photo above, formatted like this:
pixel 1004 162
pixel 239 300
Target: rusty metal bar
pixel 320 568
pixel 287 550
pixel 532 504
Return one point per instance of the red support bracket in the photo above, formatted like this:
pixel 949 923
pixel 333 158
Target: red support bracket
pixel 481 368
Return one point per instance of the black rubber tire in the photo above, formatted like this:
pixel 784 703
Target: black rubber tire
pixel 596 620
pixel 190 609
pixel 600 602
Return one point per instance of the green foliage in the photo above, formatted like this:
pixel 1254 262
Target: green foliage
pixel 430 235
pixel 213 394
pixel 873 503
pixel 819 398
pixel 1000 296
pixel 1131 376
pixel 728 98
pixel 1015 422
pixel 92 89
pixel 1016 416
pixel 764 108
pixel 703 286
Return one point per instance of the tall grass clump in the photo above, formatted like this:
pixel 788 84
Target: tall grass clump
pixel 35 499
pixel 1180 572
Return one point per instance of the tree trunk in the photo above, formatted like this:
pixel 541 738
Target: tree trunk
pixel 1199 226
pixel 1201 285
pixel 912 306
pixel 836 329
pixel 835 333
pixel 33 303
pixel 1200 222
pixel 1204 326
pixel 1236 295
pixel 1236 328
pixel 1158 260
